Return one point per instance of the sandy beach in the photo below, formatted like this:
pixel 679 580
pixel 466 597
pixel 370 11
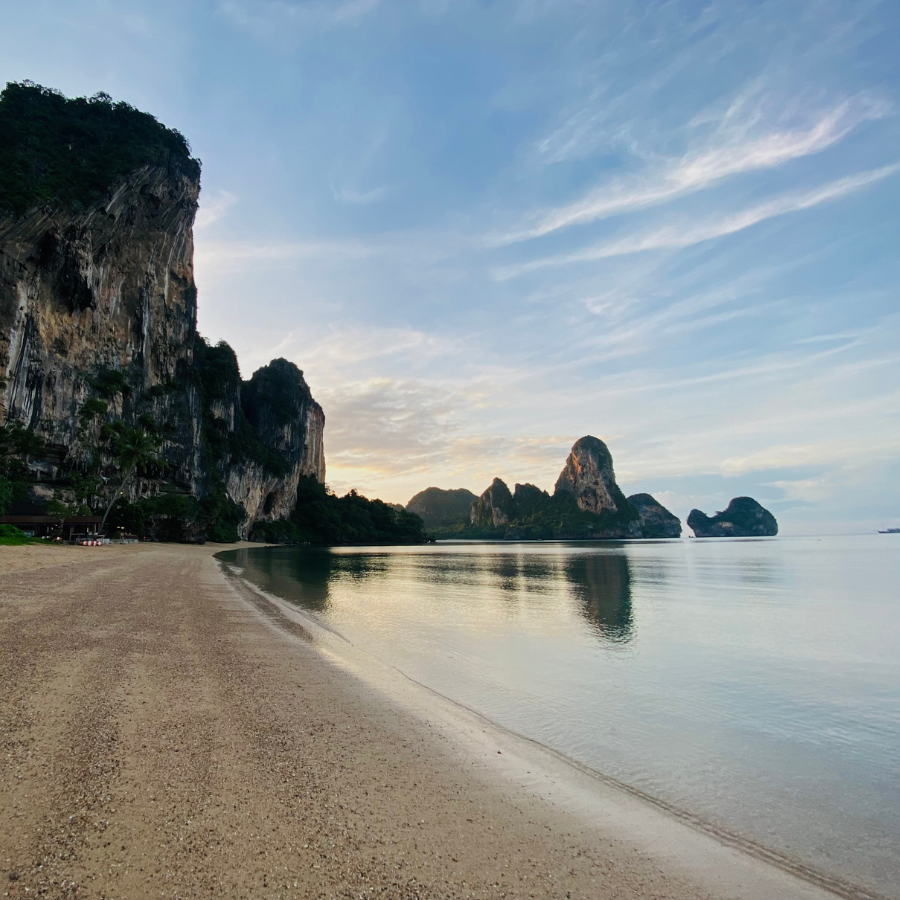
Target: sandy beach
pixel 167 733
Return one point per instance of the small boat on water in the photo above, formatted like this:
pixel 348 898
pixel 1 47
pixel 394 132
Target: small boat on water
pixel 890 531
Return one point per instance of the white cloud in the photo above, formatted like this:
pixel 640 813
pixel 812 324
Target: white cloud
pixel 212 208
pixel 686 234
pixel 233 256
pixel 352 351
pixel 733 151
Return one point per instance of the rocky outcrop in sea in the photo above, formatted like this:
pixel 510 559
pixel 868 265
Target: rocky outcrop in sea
pixel 586 503
pixel 588 476
pixel 744 517
pixel 655 520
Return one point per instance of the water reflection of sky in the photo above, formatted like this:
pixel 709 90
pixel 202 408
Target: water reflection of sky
pixel 754 682
pixel 598 585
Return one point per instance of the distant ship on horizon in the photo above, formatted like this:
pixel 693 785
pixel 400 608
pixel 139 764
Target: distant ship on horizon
pixel 889 531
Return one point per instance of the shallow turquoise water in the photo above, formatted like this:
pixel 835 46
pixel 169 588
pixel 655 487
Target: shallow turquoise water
pixel 755 683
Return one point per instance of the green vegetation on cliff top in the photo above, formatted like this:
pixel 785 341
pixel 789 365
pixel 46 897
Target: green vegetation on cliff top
pixel 72 151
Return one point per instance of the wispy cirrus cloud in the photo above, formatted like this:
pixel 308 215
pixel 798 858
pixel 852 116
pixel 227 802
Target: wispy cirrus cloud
pixel 227 256
pixel 360 198
pixel 270 18
pixel 686 234
pixel 735 149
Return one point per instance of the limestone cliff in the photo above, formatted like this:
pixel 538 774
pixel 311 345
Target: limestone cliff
pixel 587 503
pixel 109 289
pixel 277 402
pixel 655 520
pixel 494 507
pixel 744 517
pixel 98 310
pixel 588 477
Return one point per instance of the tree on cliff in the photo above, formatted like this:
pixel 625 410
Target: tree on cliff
pixel 71 151
pixel 134 449
pixel 17 444
pixel 6 494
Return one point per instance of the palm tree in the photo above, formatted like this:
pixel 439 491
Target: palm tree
pixel 133 449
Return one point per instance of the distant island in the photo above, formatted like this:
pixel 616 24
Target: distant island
pixel 587 503
pixel 744 517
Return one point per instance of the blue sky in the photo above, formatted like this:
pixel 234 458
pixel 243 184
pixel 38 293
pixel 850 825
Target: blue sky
pixel 484 229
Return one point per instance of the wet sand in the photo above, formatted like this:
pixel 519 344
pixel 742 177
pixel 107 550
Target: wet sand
pixel 164 732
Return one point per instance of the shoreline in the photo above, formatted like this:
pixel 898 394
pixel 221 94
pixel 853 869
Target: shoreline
pixel 167 732
pixel 712 856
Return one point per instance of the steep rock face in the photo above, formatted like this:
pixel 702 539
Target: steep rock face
pixel 588 476
pixel 655 520
pixel 439 508
pixel 494 507
pixel 111 288
pixel 100 304
pixel 589 479
pixel 278 404
pixel 744 517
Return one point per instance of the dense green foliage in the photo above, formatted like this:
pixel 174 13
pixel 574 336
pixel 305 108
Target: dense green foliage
pixel 10 536
pixel 6 494
pixel 273 388
pixel 16 480
pixel 216 371
pixel 538 516
pixel 73 151
pixel 109 382
pixel 323 518
pixel 179 517
pixel 92 408
pixel 14 439
pixel 440 508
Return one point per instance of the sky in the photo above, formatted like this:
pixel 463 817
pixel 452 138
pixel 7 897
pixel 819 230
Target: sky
pixel 485 229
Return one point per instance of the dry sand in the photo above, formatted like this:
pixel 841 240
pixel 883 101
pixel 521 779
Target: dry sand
pixel 164 733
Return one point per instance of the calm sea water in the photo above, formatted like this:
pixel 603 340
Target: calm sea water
pixel 755 683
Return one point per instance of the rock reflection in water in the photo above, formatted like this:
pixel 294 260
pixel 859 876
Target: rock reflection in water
pixel 505 570
pixel 602 584
pixel 305 577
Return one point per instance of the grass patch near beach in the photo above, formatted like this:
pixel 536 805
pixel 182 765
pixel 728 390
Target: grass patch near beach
pixel 10 536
